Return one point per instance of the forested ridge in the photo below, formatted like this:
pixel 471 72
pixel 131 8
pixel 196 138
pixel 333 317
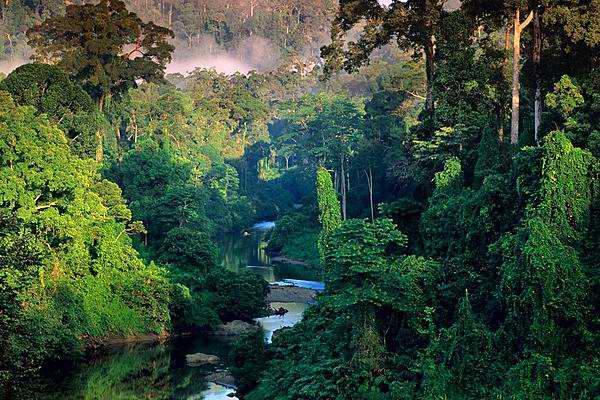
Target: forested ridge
pixel 252 33
pixel 438 162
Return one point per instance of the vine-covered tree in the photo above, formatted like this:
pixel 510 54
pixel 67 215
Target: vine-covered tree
pixel 329 207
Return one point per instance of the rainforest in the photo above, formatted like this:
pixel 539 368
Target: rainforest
pixel 300 199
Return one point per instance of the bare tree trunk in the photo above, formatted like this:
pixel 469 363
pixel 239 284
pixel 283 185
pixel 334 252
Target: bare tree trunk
pixel 348 184
pixel 430 71
pixel 499 107
pixel 343 179
pixel 537 58
pixel 12 47
pixel 516 82
pixel 369 175
pixel 336 181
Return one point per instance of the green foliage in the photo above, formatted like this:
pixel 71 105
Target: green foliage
pixel 543 281
pixel 191 309
pixel 67 267
pixel 345 344
pixel 191 250
pixel 103 46
pixel 247 359
pixel 237 295
pixel 459 364
pixel 329 207
pixel 565 98
pixel 490 292
pixel 296 236
pixel 51 92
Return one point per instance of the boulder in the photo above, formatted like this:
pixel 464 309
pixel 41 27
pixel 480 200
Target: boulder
pixel 223 378
pixel 290 294
pixel 278 332
pixel 235 328
pixel 197 359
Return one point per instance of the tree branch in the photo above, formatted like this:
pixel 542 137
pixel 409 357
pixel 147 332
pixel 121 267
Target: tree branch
pixel 414 94
pixel 527 21
pixel 44 206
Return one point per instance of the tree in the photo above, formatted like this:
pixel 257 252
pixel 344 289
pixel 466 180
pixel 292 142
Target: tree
pixel 68 270
pixel 103 46
pixel 413 24
pixel 329 207
pixel 50 90
pixel 518 27
pixel 190 250
pixel 561 30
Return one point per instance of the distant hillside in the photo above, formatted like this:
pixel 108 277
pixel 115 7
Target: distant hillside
pixel 234 34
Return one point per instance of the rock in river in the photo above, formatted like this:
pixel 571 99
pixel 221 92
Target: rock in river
pixel 197 359
pixel 223 378
pixel 290 294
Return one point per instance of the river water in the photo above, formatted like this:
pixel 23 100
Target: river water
pixel 153 371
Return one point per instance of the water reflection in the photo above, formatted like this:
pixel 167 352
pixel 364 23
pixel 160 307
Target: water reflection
pixel 137 372
pixel 292 317
pixel 216 392
pixel 239 252
pixel 159 371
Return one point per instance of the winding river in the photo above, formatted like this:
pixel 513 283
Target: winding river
pixel 159 371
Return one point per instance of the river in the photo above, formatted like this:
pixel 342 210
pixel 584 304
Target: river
pixel 159 371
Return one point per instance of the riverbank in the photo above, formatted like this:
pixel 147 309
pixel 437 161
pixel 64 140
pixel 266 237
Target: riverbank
pixel 278 258
pixel 290 294
pixel 96 343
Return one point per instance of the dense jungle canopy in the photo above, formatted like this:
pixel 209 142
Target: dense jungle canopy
pixel 438 161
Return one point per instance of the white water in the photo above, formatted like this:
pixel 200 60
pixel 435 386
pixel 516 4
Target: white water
pixel 264 226
pixel 215 392
pixel 314 285
pixel 272 323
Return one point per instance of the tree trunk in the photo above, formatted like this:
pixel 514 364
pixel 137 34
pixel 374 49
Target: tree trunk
pixel 506 42
pixel 99 146
pixel 499 106
pixel 369 175
pixel 336 185
pixel 12 47
pixel 516 82
pixel 537 58
pixel 343 180
pixel 429 71
pixel 514 122
pixel 101 101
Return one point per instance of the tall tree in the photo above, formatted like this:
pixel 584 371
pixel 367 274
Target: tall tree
pixel 104 46
pixel 518 27
pixel 413 24
pixel 329 207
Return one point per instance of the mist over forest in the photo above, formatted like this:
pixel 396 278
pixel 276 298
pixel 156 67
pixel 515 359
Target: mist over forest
pixel 300 200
